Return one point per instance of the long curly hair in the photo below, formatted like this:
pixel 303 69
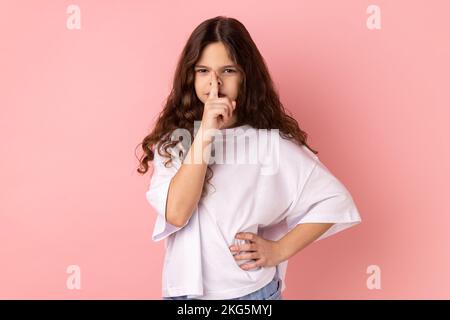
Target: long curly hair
pixel 258 103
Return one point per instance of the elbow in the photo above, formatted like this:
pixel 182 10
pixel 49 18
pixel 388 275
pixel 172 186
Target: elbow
pixel 174 220
pixel 177 223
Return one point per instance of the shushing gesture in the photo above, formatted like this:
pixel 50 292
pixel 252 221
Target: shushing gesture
pixel 218 111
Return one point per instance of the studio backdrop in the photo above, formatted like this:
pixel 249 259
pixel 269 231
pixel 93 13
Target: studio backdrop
pixel 82 82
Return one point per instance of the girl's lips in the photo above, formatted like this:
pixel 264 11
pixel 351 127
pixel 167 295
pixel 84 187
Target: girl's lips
pixel 221 95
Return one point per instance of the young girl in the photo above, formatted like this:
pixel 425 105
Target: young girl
pixel 231 226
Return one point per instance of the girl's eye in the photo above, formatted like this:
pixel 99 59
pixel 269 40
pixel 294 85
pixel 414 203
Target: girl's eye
pixel 204 70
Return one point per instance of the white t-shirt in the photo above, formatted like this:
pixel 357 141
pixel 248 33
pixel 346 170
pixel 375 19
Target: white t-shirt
pixel 286 185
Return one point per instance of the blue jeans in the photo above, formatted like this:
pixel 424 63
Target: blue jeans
pixel 271 291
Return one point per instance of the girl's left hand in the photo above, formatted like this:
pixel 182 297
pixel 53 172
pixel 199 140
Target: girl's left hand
pixel 267 253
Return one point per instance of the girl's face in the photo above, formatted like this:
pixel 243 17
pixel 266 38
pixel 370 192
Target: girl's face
pixel 214 58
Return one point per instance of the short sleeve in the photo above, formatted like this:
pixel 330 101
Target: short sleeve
pixel 158 192
pixel 322 198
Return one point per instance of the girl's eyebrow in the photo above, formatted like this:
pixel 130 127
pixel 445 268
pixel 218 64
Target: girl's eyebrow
pixel 227 66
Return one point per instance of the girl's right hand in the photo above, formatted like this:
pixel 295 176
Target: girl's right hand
pixel 217 112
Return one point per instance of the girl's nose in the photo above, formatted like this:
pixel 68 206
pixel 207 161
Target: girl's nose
pixel 219 81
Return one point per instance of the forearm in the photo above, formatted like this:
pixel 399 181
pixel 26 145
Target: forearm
pixel 186 186
pixel 300 237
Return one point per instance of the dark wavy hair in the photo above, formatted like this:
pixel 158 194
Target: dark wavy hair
pixel 258 103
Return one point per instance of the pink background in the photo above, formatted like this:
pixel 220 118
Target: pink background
pixel 75 103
